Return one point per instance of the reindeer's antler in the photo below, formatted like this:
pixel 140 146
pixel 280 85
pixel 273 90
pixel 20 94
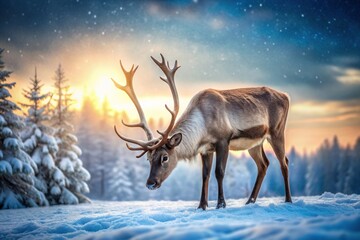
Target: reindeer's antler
pixel 152 142
pixel 170 80
pixel 129 90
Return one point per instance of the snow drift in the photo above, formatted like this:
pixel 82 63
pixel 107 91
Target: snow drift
pixel 329 216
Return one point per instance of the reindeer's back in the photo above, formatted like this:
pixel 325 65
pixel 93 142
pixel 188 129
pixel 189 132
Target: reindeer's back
pixel 242 108
pixel 226 114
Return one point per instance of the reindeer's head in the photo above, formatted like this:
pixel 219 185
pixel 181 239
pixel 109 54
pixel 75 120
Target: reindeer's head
pixel 160 151
pixel 162 161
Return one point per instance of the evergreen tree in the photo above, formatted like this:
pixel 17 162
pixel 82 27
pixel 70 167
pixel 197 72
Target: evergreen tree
pixel 87 132
pixel 315 172
pixel 120 183
pixel 274 184
pixel 67 159
pixel 331 159
pixel 306 160
pixel 343 168
pixel 106 153
pixel 237 180
pixel 39 142
pixel 138 170
pixel 297 173
pixel 353 177
pixel 120 186
pixel 16 167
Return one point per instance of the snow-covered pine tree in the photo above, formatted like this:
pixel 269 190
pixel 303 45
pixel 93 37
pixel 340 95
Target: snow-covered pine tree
pixel 137 173
pixel 343 168
pixel 39 142
pixel 297 172
pixel 120 186
pixel 353 176
pixel 67 159
pixel 315 171
pixel 16 167
pixel 87 133
pixel 331 160
pixel 274 181
pixel 107 154
pixel 237 183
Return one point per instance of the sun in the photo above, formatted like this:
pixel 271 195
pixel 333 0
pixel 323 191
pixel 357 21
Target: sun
pixel 103 87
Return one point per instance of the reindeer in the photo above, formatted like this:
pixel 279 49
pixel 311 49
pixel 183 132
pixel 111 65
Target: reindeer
pixel 215 121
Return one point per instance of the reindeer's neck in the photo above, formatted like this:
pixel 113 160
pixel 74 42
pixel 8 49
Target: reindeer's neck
pixel 191 126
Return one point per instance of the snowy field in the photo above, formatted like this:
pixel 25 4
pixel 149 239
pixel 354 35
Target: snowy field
pixel 329 216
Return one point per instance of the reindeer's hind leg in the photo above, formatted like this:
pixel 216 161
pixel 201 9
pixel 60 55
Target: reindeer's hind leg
pixel 278 144
pixel 262 163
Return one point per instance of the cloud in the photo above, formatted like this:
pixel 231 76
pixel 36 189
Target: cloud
pixel 325 114
pixel 348 76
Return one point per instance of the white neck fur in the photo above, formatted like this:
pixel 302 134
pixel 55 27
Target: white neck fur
pixel 192 126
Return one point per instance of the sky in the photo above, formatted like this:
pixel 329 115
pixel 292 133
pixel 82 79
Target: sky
pixel 309 49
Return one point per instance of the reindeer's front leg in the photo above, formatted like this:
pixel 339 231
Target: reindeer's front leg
pixel 206 168
pixel 222 152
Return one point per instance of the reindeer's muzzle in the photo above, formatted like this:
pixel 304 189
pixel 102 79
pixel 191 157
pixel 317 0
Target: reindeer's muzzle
pixel 152 184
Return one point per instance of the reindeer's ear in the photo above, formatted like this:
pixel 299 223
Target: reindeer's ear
pixel 175 140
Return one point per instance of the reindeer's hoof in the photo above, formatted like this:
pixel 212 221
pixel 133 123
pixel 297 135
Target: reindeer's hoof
pixel 203 205
pixel 221 204
pixel 251 200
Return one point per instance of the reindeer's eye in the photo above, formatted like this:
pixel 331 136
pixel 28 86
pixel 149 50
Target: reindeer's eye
pixel 164 159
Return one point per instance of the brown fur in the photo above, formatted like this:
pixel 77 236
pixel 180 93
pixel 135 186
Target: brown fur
pixel 252 133
pixel 248 115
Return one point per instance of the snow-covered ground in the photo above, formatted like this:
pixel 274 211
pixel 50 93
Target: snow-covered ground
pixel 329 216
